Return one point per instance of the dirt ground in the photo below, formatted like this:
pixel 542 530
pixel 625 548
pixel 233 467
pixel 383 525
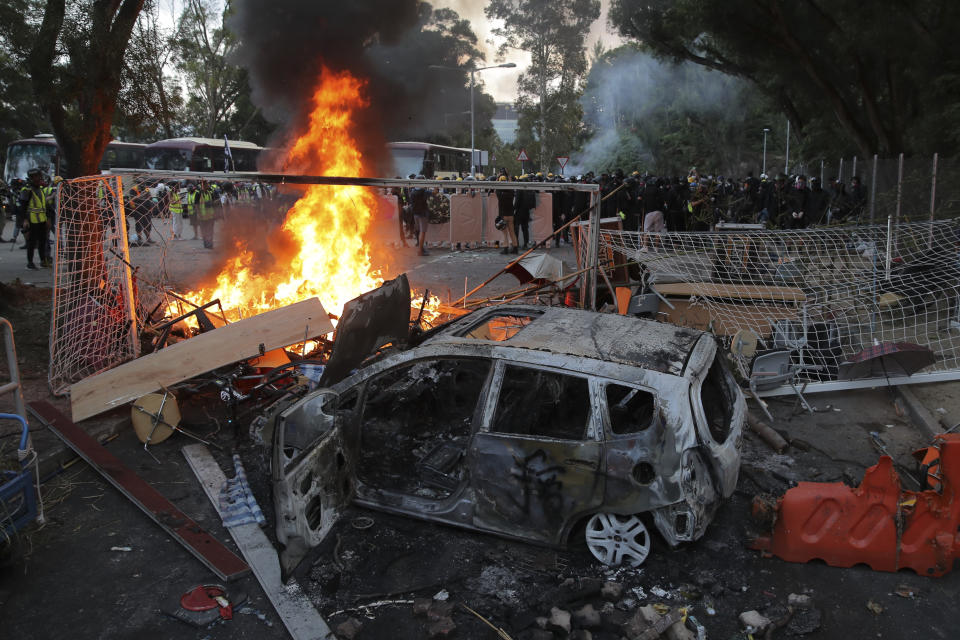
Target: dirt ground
pixel 383 570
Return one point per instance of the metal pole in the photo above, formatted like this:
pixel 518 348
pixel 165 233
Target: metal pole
pixel 933 199
pixel 786 162
pixel 593 249
pixel 873 240
pixel 121 222
pixel 765 130
pixel 821 172
pixel 894 225
pixel 473 167
pixel 853 172
pixel 840 172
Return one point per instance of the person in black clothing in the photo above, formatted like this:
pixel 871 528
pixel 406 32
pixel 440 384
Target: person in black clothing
pixel 839 203
pixel 560 210
pixel 817 203
pixel 858 198
pixel 420 206
pixel 504 222
pixel 775 204
pixel 799 205
pixel 522 204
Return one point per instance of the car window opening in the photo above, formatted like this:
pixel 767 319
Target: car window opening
pixel 498 327
pixel 415 426
pixel 630 409
pixel 717 396
pixel 543 404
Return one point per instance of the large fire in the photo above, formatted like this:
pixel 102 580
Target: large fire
pixel 326 226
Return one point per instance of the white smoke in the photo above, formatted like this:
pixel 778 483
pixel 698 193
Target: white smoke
pixel 633 87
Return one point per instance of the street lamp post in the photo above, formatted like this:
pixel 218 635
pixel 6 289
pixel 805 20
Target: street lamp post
pixel 505 65
pixel 765 130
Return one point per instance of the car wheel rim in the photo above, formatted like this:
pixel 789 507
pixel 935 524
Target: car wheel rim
pixel 615 540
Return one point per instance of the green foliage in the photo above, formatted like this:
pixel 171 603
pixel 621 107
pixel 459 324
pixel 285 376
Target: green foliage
pixel 202 52
pixel 875 78
pixel 553 33
pixel 74 57
pixel 150 103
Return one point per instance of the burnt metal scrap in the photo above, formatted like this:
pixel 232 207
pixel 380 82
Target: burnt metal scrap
pixel 522 421
pixel 877 524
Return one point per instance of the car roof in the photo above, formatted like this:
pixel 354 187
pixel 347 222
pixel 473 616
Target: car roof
pixel 607 337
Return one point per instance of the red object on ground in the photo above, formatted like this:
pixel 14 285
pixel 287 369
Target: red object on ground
pixel 207 597
pixel 877 523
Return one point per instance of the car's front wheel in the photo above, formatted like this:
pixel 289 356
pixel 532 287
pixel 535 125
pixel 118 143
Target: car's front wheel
pixel 615 540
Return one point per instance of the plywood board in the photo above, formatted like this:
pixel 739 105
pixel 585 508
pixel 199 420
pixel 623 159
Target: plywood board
pixel 725 319
pixel 202 353
pixel 294 608
pixel 736 291
pixel 223 562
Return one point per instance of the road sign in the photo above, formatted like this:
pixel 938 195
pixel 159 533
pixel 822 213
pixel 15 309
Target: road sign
pixel 563 161
pixel 522 156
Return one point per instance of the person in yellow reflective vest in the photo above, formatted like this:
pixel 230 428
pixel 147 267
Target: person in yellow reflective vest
pixel 177 214
pixel 35 211
pixel 201 203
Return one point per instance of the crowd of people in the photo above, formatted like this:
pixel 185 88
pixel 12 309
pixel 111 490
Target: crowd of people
pixel 197 203
pixel 651 203
pixel 642 202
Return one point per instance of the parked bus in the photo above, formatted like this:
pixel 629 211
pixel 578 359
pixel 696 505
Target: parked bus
pixel 201 154
pixel 430 160
pixel 43 152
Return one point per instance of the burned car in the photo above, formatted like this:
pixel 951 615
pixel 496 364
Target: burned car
pixel 528 422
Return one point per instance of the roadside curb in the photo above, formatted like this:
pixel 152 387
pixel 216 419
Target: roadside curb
pixel 921 416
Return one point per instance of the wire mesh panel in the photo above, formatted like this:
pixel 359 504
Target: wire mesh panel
pixel 94 319
pixel 824 294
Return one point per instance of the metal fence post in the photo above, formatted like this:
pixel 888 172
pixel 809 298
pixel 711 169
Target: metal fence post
pixel 933 199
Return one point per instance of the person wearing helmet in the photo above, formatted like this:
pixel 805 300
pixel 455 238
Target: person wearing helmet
pixel 35 212
pixel 523 204
pixel 505 220
pixel 420 207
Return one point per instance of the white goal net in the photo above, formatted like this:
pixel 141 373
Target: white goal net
pixel 94 325
pixel 824 294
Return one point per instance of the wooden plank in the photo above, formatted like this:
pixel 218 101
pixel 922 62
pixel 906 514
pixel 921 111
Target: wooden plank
pixel 294 608
pixel 726 318
pixel 723 290
pixel 202 353
pixel 201 544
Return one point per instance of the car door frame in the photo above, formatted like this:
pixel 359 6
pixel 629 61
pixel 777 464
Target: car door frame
pixel 518 497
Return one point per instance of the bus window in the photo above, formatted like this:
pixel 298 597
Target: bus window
pixel 407 161
pixel 23 156
pixel 167 159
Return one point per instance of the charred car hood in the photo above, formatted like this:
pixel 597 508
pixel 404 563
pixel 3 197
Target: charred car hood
pixel 369 321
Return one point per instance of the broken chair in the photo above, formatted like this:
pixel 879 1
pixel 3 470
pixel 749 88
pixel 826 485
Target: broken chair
pixel 772 370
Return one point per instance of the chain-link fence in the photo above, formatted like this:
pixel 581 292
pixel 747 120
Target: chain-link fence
pixel 923 187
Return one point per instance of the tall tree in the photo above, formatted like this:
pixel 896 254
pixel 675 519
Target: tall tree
pixel 74 55
pixel 204 48
pixel 554 34
pixel 150 101
pixel 881 73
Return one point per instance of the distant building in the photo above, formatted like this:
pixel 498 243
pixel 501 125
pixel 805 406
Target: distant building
pixel 505 122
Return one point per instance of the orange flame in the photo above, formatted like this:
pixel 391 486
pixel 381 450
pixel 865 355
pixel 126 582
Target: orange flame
pixel 326 225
